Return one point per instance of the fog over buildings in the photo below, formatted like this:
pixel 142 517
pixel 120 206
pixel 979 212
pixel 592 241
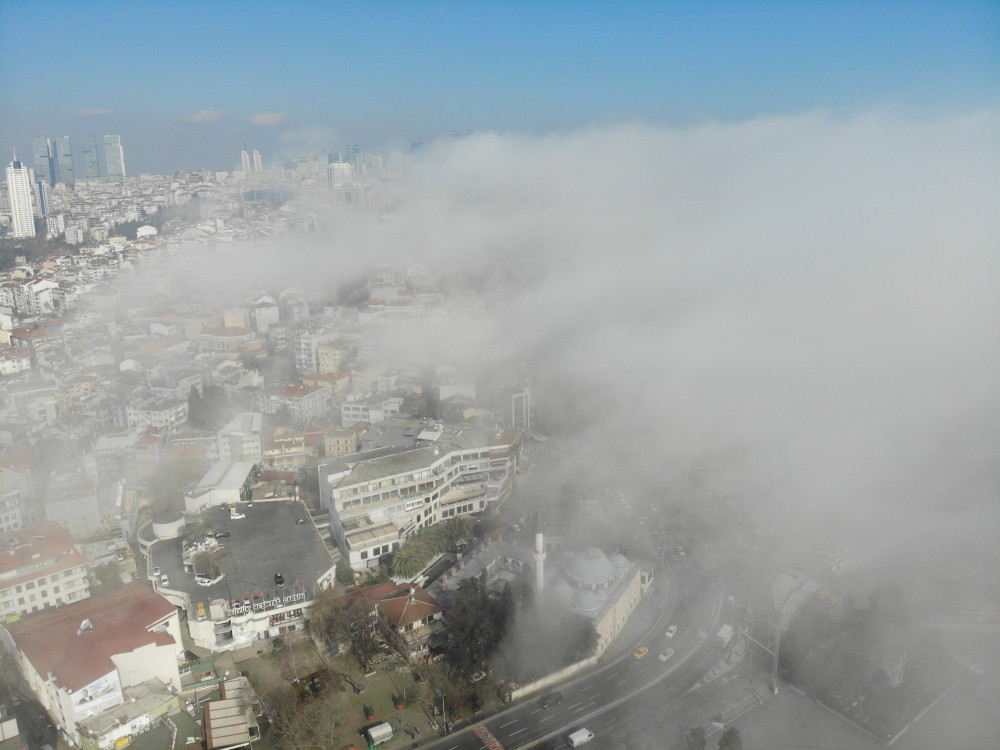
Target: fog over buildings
pixel 627 425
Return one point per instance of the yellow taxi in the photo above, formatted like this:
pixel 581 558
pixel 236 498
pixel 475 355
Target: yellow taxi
pixel 641 652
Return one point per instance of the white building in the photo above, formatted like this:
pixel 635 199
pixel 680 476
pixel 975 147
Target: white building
pixel 41 567
pixel 21 205
pixel 227 482
pixel 79 659
pixel 240 437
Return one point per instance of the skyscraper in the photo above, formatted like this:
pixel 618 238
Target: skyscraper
pixel 44 168
pixel 353 154
pixel 91 164
pixel 114 155
pixel 245 158
pixel 258 166
pixel 19 193
pixel 63 154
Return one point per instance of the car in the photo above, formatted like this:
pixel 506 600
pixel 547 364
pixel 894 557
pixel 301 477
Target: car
pixel 204 581
pixel 15 700
pixel 666 654
pixel 156 571
pixel 641 652
pixel 279 580
pixel 477 677
pixel 223 535
pixel 237 516
pixel 579 737
pixel 164 581
pixel 671 630
pixel 300 522
pixel 552 699
pixel 250 505
pixel 135 576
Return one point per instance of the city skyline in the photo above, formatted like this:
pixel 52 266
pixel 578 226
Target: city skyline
pixel 421 74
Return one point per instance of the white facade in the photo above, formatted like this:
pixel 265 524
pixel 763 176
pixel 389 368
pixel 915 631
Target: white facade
pixel 21 205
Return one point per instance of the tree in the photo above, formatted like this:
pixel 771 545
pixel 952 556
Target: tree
pixel 108 575
pixel 730 740
pixel 358 623
pixel 208 564
pixel 345 573
pixel 417 551
pixel 695 739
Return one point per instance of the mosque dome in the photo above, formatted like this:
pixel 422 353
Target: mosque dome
pixel 620 562
pixel 602 593
pixel 590 567
pixel 586 601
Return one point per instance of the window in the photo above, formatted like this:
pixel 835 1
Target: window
pixel 44 594
pixel 31 598
pixel 29 585
pixel 364 554
pixel 20 600
pixel 41 581
pixel 18 590
pixel 55 589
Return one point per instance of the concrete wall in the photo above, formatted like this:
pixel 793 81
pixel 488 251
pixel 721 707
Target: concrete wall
pixel 147 662
pixel 552 679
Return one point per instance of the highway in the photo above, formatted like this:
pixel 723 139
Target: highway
pixel 607 699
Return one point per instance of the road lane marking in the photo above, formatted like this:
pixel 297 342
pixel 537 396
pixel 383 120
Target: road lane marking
pixel 519 731
pixel 509 723
pixel 534 712
pixel 574 705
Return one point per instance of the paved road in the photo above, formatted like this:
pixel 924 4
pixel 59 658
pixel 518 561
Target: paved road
pixel 603 700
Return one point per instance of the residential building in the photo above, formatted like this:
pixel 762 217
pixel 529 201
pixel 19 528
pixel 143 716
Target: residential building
pixel 78 660
pixel 154 414
pixel 340 442
pixel 303 402
pixel 72 501
pixel 21 204
pixel 40 567
pixel 356 410
pixel 240 438
pixel 258 165
pixel 410 611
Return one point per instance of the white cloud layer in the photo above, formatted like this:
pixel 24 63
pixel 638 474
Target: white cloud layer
pixel 267 119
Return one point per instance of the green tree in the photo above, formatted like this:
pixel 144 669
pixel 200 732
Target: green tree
pixel 695 739
pixel 108 575
pixel 345 573
pixel 730 740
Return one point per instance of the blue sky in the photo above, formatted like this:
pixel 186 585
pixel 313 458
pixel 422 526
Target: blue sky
pixel 389 73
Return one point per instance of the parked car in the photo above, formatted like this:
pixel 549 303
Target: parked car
pixel 300 522
pixel 164 581
pixel 223 535
pixel 237 516
pixel 671 630
pixel 156 571
pixel 204 582
pixel 552 699
pixel 477 677
pixel 15 700
pixel 666 654
pixel 279 580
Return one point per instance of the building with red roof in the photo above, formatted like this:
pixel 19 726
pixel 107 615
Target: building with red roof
pixel 79 658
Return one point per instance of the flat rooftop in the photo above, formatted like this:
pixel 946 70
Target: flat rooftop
pixel 225 475
pixel 266 542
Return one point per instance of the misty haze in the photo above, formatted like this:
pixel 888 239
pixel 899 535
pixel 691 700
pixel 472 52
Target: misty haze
pixel 506 377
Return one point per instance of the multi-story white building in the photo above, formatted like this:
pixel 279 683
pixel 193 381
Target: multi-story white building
pixel 304 402
pixel 156 414
pixel 40 567
pixel 19 187
pixel 358 410
pixel 456 472
pixel 239 438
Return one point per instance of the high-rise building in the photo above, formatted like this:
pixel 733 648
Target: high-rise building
pixel 114 155
pixel 353 154
pixel 245 158
pixel 63 154
pixel 258 166
pixel 340 174
pixel 21 205
pixel 91 163
pixel 44 167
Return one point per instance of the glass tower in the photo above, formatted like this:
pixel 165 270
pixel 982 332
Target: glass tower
pixel 114 156
pixel 64 159
pixel 91 164
pixel 44 168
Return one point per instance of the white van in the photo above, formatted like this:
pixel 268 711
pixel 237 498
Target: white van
pixel 579 737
